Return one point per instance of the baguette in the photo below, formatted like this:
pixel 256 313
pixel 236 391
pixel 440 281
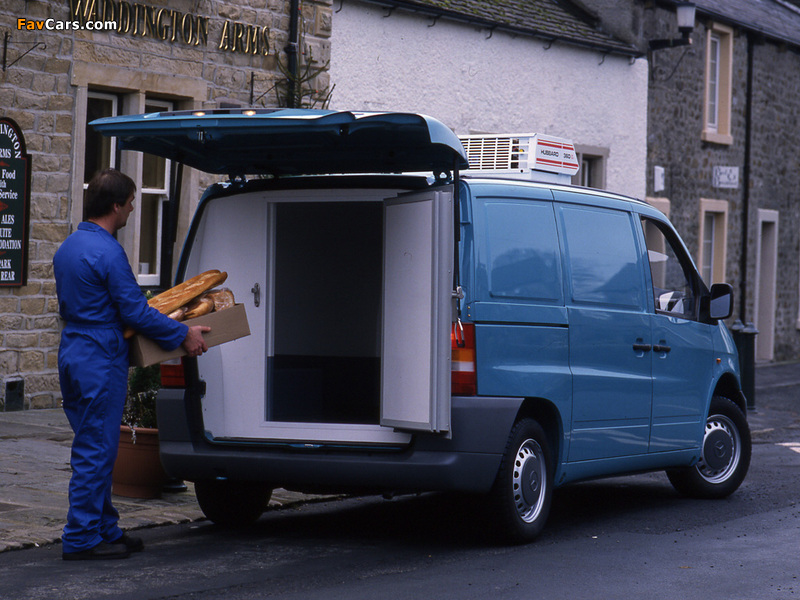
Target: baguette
pixel 183 293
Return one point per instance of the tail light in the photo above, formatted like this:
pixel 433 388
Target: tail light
pixel 172 375
pixel 464 381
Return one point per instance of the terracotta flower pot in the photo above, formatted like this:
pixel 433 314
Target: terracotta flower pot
pixel 138 472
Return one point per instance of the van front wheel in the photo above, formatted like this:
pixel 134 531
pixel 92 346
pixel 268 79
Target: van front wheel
pixel 521 496
pixel 725 455
pixel 232 503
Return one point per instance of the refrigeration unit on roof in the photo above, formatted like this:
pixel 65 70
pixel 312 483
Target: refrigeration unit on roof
pixel 529 156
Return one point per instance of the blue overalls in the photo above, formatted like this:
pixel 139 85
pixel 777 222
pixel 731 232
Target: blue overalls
pixel 97 296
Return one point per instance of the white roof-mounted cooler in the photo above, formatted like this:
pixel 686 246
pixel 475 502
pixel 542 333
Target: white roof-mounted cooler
pixel 530 156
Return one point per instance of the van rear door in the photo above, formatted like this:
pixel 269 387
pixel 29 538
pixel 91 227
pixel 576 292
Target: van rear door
pixel 418 268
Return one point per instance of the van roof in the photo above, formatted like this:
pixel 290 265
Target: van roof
pixel 242 141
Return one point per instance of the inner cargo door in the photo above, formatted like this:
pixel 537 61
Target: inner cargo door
pixel 417 311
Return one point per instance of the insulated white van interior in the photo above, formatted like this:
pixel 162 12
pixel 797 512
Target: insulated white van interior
pixel 339 288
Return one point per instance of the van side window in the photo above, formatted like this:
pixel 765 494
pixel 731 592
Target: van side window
pixel 673 288
pixel 522 248
pixel 603 257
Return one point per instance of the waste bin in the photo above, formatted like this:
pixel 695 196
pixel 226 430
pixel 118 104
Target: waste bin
pixel 745 338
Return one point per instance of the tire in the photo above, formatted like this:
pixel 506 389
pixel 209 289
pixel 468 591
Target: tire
pixel 725 455
pixel 232 504
pixel 520 498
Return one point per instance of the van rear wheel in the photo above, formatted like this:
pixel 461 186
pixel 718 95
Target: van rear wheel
pixel 232 503
pixel 725 455
pixel 522 493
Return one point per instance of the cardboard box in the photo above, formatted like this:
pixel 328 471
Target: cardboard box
pixel 226 325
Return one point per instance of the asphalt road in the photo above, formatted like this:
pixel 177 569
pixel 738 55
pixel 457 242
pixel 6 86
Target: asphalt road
pixel 627 537
pixel 630 537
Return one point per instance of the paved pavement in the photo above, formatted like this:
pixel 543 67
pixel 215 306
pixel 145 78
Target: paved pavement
pixel 35 471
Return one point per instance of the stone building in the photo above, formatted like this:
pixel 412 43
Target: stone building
pixel 66 62
pixel 723 122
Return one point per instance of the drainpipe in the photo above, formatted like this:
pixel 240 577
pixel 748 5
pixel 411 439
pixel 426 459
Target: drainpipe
pixel 746 178
pixel 744 333
pixel 291 50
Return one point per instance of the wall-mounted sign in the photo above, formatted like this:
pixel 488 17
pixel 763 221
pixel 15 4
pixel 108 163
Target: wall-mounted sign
pixel 726 177
pixel 15 203
pixel 158 23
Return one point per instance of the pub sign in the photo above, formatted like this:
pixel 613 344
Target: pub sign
pixel 15 202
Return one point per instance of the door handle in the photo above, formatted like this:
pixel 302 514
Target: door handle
pixel 661 348
pixel 642 347
pixel 256 294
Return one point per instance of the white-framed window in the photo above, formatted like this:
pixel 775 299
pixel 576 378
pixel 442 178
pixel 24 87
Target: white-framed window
pixel 718 85
pixel 155 192
pixel 152 181
pixel 100 151
pixel 713 242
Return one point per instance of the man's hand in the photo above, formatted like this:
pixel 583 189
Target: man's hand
pixel 194 344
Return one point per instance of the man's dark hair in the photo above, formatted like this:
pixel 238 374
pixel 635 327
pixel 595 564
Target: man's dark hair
pixel 106 189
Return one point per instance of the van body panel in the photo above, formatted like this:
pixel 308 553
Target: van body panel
pixel 527 361
pixel 467 461
pixel 680 381
pixel 238 368
pixel 609 323
pixel 639 463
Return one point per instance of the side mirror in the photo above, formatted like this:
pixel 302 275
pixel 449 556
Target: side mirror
pixel 721 305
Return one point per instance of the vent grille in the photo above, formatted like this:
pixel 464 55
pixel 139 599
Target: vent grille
pixel 496 153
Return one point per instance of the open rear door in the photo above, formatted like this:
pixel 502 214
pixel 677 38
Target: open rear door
pixel 417 306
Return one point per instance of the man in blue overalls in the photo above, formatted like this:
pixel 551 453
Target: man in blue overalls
pixel 98 296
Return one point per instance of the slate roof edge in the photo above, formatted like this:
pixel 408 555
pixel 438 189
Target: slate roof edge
pixel 727 19
pixel 617 47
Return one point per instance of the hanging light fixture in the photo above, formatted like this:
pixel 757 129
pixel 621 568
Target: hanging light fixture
pixel 685 12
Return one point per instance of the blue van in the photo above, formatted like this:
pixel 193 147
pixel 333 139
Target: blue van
pixel 417 326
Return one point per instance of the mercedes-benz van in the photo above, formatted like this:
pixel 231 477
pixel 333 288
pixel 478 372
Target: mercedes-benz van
pixel 418 326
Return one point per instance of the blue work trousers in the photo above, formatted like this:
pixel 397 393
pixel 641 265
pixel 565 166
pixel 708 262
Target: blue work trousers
pixel 93 369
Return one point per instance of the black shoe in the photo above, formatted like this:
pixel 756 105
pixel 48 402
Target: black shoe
pixel 103 551
pixel 133 544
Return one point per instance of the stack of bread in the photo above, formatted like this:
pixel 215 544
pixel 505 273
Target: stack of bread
pixel 192 298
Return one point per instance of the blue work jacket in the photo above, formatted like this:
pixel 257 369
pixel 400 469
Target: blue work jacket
pixel 97 289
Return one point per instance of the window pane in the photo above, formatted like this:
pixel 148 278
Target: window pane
pixel 523 251
pixel 154 173
pixel 672 287
pixel 98 156
pixel 603 257
pixel 150 240
pixel 713 82
pixel 709 222
pixel 155 170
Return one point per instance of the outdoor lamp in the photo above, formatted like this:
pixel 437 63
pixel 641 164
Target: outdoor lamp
pixel 685 13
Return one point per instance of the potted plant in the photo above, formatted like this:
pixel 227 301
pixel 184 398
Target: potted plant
pixel 138 472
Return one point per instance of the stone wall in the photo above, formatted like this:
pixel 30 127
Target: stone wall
pixel 776 179
pixel 674 142
pixel 201 53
